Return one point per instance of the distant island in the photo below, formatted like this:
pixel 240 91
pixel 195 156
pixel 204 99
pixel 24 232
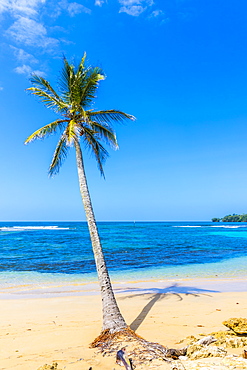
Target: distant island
pixel 231 218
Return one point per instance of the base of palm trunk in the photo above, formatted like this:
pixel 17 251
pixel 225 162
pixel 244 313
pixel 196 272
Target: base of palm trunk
pixel 139 350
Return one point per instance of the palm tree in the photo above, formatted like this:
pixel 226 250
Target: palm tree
pixel 79 123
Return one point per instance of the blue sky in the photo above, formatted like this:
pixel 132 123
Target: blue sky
pixel 179 66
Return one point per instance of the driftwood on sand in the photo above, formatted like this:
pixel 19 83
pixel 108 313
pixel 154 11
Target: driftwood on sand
pixel 139 349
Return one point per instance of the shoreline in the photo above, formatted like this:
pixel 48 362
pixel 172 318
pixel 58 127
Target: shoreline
pixel 229 269
pixel 34 290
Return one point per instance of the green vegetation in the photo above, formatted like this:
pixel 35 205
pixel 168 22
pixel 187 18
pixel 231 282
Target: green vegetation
pixel 215 219
pixel 232 218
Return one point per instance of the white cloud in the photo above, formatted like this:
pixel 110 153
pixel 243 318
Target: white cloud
pixel 28 31
pixel 136 2
pixel 75 8
pixel 99 2
pixel 3 6
pixel 23 56
pixel 134 7
pixel 27 70
pixel 156 13
pixel 24 69
pixel 134 10
pixel 24 7
pixel 1 88
pixel 160 16
pixel 72 8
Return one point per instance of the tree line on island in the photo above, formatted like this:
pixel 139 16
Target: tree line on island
pixel 231 218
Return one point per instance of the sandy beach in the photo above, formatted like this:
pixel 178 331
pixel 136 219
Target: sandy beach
pixel 38 329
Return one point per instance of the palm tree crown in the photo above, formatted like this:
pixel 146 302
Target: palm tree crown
pixel 77 88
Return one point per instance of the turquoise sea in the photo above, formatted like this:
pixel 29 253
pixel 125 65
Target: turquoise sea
pixel 39 252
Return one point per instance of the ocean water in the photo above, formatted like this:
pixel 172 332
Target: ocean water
pixel 60 252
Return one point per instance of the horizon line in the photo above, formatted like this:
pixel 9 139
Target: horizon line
pixel 106 221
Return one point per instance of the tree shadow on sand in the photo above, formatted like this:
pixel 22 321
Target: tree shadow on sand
pixel 141 350
pixel 156 294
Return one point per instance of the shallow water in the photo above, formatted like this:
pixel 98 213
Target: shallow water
pixel 61 251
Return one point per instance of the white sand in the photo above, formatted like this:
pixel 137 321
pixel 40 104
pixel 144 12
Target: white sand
pixel 35 331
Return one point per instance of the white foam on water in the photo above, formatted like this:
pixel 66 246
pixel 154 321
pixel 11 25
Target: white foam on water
pixel 187 226
pixel 219 226
pixel 229 227
pixel 31 228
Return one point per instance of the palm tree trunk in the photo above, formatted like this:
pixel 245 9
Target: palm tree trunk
pixel 112 317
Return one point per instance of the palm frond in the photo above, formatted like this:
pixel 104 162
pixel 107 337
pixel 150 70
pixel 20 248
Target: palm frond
pixel 73 81
pixel 110 116
pixel 105 132
pixel 42 83
pixel 66 80
pixel 46 130
pixel 46 93
pixel 96 147
pixel 89 85
pixel 81 66
pixel 59 156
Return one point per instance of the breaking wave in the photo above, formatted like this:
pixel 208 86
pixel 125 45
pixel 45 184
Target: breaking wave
pixel 31 228
pixel 187 226
pixel 218 226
